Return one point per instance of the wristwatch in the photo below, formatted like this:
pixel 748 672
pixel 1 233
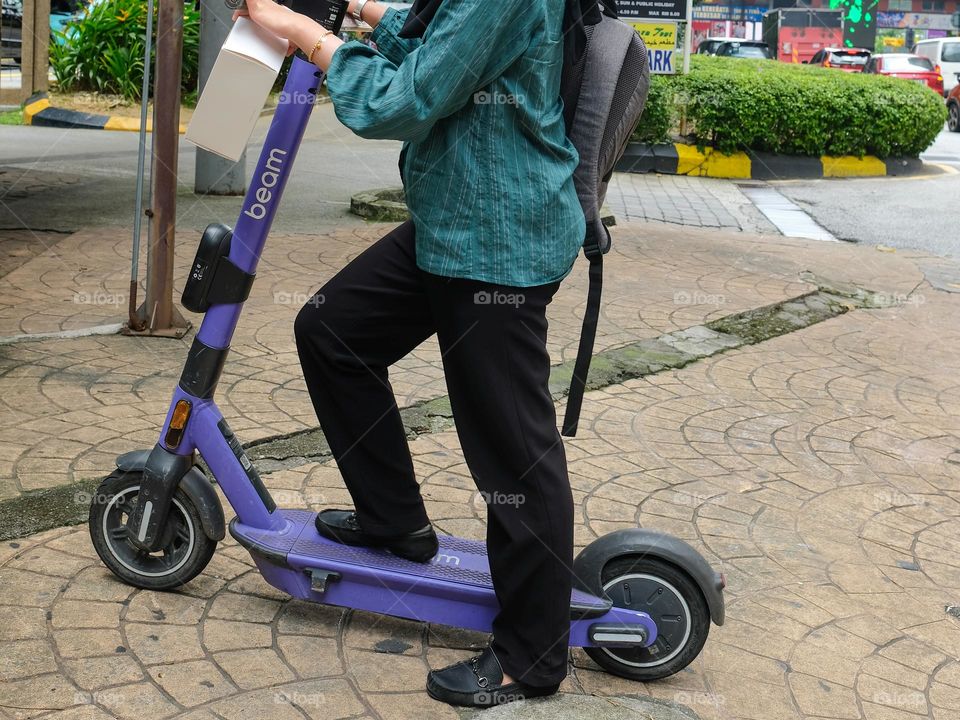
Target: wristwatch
pixel 358 10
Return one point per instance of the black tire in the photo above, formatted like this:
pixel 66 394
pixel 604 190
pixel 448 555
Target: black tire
pixel 675 603
pixel 185 551
pixel 953 116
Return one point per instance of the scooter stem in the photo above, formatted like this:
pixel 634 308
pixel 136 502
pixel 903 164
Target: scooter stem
pixel 266 187
pixel 207 430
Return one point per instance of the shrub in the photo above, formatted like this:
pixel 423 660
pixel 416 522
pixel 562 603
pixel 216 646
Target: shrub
pixel 769 106
pixel 658 117
pixel 102 50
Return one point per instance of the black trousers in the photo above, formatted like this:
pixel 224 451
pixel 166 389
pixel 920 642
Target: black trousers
pixel 493 341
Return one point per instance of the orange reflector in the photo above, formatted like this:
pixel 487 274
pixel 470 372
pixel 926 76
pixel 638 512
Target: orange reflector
pixel 180 414
pixel 178 421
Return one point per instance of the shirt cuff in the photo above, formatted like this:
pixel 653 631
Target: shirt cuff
pixel 385 36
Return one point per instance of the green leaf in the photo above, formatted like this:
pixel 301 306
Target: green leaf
pixel 102 50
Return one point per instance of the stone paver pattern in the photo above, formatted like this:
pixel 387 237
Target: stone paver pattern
pixel 69 406
pixel 819 470
pixel 687 201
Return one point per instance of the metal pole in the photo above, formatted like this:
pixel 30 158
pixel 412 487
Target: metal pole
pixel 161 317
pixel 215 175
pixel 34 49
pixel 134 322
pixel 687 37
pixel 40 29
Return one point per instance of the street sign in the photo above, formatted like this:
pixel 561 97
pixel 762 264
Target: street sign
pixel 657 22
pixel 656 9
pixel 660 37
pixel 657 35
pixel 661 62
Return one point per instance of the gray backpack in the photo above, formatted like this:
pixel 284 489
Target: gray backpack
pixel 604 87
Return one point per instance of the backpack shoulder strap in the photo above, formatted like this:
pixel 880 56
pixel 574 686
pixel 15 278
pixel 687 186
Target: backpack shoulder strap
pixel 596 83
pixel 593 250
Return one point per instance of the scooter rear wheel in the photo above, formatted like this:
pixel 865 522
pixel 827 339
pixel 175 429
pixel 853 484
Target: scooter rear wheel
pixel 185 549
pixel 672 599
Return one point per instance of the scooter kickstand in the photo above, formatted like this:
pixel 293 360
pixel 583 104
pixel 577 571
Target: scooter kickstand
pixel 320 578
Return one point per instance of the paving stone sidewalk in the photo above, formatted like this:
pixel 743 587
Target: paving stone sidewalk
pixel 686 201
pixel 820 470
pixel 69 406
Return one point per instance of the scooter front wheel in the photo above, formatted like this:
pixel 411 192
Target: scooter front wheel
pixel 184 550
pixel 671 597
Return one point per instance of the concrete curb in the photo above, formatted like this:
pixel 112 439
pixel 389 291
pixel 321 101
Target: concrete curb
pixel 681 159
pixel 38 111
pixel 380 205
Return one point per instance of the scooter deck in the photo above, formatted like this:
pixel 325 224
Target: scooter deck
pixel 454 588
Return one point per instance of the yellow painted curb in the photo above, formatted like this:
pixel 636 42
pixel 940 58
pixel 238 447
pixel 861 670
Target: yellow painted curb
pixel 33 108
pixel 710 163
pixel 131 124
pixel 852 166
pixel 124 123
pixel 689 159
pixel 683 159
pixel 736 165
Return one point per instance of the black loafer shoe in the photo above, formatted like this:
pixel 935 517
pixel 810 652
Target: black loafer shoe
pixel 343 527
pixel 478 682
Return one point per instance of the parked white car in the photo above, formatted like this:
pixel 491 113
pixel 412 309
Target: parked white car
pixel 708 46
pixel 944 52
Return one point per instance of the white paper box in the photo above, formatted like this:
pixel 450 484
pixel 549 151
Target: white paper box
pixel 235 92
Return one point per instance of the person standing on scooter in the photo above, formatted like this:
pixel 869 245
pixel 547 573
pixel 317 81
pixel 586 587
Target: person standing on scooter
pixel 472 87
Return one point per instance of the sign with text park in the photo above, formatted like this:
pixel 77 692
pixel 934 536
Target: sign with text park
pixel 658 22
pixel 660 37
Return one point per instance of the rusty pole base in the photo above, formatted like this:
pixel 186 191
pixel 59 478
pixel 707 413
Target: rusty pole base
pixel 174 333
pixel 179 326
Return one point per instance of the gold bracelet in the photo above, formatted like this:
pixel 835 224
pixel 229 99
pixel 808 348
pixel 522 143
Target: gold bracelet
pixel 319 45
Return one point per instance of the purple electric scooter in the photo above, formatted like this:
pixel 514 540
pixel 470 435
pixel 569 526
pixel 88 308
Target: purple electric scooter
pixel 642 601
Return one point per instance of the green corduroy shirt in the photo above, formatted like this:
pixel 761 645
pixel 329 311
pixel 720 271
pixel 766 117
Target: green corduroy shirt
pixel 486 164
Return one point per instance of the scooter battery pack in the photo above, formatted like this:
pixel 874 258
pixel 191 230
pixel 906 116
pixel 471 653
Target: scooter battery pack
pixel 214 279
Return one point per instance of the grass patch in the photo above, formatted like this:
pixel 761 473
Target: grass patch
pixel 11 117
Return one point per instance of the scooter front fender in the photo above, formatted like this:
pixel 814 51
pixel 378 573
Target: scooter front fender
pixel 194 485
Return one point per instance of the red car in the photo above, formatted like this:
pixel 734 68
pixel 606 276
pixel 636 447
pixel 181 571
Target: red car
pixel 909 67
pixel 953 108
pixel 846 59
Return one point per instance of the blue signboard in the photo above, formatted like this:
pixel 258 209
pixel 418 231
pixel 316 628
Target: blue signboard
pixel 743 13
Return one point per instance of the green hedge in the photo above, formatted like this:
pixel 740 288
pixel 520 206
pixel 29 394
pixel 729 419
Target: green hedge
pixel 769 106
pixel 102 50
